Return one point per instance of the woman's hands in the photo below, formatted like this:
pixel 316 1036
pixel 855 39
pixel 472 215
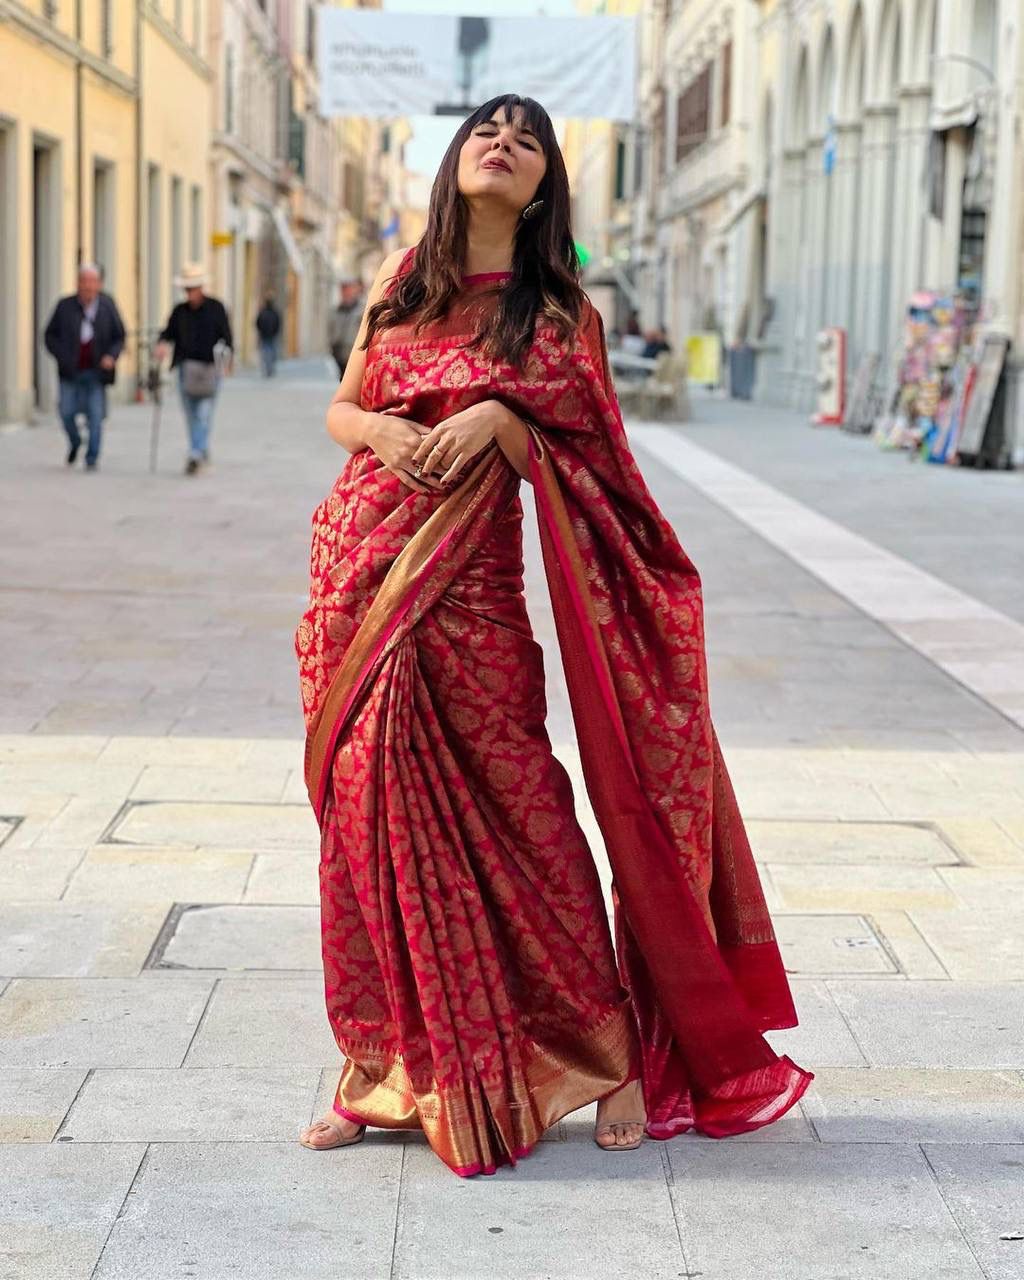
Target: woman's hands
pixel 445 450
pixel 395 441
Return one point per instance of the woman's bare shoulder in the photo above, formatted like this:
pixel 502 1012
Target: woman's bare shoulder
pixel 387 271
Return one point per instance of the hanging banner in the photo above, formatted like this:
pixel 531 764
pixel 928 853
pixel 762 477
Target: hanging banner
pixel 381 63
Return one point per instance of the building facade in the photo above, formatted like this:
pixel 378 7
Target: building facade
pixel 248 172
pixel 692 164
pixel 812 163
pixel 148 133
pixel 104 128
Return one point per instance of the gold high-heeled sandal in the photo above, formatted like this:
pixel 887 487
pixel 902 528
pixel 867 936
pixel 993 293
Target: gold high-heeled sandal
pixel 616 1146
pixel 342 1141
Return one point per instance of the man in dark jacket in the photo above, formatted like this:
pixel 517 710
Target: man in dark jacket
pixel 200 332
pixel 268 326
pixel 85 336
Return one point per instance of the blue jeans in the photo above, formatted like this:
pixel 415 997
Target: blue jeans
pixel 84 394
pixel 199 417
pixel 268 355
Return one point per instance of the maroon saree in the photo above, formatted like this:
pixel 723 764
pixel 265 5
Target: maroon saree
pixel 469 972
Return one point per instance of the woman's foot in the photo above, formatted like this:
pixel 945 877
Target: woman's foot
pixel 332 1131
pixel 621 1118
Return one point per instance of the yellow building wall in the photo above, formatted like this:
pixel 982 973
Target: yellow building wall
pixel 176 126
pixel 108 134
pixel 31 117
pixel 39 96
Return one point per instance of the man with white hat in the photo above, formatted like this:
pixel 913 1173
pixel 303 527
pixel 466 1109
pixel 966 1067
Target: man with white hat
pixel 200 333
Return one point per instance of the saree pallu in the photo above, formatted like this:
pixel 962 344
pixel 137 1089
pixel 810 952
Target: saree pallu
pixel 469 974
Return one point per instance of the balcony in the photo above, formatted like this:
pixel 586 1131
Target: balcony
pixel 711 169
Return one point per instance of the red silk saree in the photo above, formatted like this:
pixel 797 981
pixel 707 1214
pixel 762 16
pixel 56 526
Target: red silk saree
pixel 469 973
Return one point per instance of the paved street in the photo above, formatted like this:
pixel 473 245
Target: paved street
pixel 162 1032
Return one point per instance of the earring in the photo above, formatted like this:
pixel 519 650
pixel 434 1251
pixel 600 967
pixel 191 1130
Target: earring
pixel 532 209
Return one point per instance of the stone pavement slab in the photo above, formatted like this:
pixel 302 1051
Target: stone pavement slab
pixel 859 1212
pixel 34 1101
pixel 823 1035
pixel 38 872
pixel 228 824
pixel 976 944
pixel 283 877
pixel 516 1223
pixel 76 939
pixel 807 887
pixel 193 1105
pixel 201 782
pixel 263 1211
pixel 830 944
pixel 977 1025
pixel 984 1188
pixel 780 842
pixel 916 1105
pixel 130 873
pixel 254 1022
pixel 99 1022
pixel 59 1206
pixel 254 936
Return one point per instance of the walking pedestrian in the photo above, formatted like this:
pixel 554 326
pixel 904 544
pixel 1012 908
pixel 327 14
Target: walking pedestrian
pixel 268 326
pixel 200 333
pixel 85 336
pixel 470 976
pixel 345 321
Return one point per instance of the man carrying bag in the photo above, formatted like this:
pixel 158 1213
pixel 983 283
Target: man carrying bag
pixel 199 331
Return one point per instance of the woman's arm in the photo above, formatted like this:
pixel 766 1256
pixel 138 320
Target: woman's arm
pixel 513 438
pixel 347 422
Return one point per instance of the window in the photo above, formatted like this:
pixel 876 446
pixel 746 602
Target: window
pixel 103 197
pixel 106 30
pixel 692 114
pixel 177 216
pixel 50 10
pixel 229 88
pixel 310 33
pixel 726 81
pixel 620 169
pixel 658 140
pixel 154 258
pixel 195 235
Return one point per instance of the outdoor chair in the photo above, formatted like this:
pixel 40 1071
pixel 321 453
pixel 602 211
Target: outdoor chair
pixel 664 393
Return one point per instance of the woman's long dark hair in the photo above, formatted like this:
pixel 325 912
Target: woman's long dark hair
pixel 545 266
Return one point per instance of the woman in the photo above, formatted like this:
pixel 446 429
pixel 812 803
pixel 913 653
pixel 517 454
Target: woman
pixel 470 977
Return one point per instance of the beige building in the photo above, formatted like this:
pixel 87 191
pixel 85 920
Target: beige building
pixel 248 175
pixel 150 132
pixel 691 245
pixel 104 122
pixel 67 176
pixel 919 102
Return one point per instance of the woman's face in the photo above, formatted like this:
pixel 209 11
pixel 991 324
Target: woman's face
pixel 501 161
